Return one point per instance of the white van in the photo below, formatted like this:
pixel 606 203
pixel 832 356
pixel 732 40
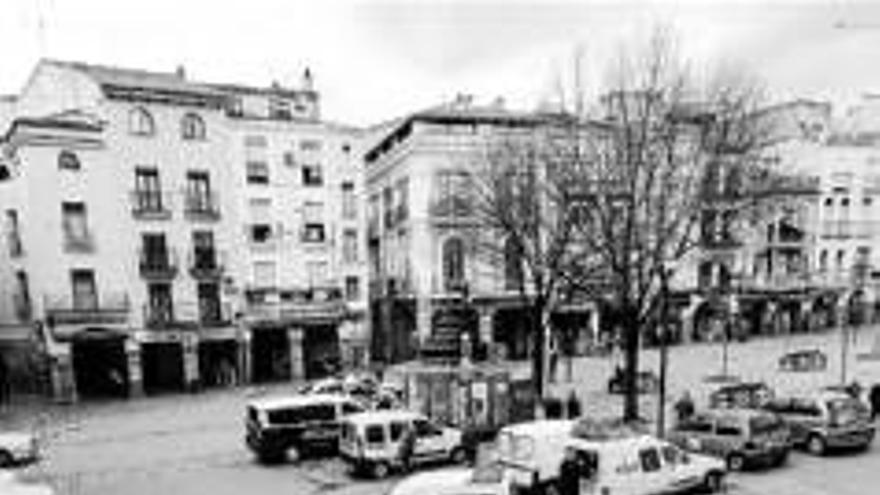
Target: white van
pixel 642 465
pixel 370 441
pixel 533 451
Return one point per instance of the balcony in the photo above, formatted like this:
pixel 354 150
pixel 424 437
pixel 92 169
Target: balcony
pixel 79 243
pixel 202 207
pixel 158 265
pixel 150 205
pixel 309 306
pixel 207 264
pixel 187 315
pixel 105 308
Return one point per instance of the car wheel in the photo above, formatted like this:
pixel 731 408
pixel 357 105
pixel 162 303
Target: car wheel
pixel 736 462
pixel 816 445
pixel 713 482
pixel 381 470
pixel 458 456
pixel 6 459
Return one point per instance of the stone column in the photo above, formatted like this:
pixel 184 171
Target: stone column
pixel 244 356
pixel 297 357
pixel 424 313
pixel 135 371
pixel 191 379
pixel 63 379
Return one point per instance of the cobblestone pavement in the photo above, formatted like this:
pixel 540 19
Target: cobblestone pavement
pixel 193 443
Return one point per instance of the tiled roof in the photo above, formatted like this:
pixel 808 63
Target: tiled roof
pixel 125 77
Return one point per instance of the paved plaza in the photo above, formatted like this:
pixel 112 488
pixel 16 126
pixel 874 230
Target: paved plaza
pixel 186 444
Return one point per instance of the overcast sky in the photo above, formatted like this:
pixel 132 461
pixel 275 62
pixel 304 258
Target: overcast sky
pixel 377 59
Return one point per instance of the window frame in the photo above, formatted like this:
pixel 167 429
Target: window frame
pixel 192 127
pixel 141 122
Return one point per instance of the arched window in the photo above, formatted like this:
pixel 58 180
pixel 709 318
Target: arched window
pixel 140 122
pixel 513 269
pixel 67 160
pixel 192 127
pixel 823 261
pixel 453 263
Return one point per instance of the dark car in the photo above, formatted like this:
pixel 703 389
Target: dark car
pixel 742 437
pixel 804 360
pixel 296 426
pixel 741 395
pixel 824 420
pixel 646 383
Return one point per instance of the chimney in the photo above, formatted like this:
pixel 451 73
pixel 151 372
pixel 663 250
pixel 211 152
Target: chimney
pixel 308 84
pixel 180 72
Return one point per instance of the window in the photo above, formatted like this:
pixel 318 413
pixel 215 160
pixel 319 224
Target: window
pixel 670 454
pixel 351 408
pixel 349 209
pixel 650 460
pixel 13 236
pixel 454 194
pixel 346 148
pixel 204 254
pixel 209 302
pixel 289 159
pixel 192 127
pixel 257 172
pixel 310 145
pixel 67 160
pixel 352 288
pixel 279 108
pixel 823 260
pixel 22 296
pixel 311 175
pixel 453 262
pixel 866 201
pixel 425 429
pixel 840 259
pixel 260 233
pixel 147 190
pixel 85 294
pixel 729 427
pixel 698 424
pixel 313 233
pixel 402 199
pixel 75 223
pixel 805 407
pixel 140 122
pixel 397 429
pixel 349 246
pixel 154 252
pixel 198 192
pixel 375 434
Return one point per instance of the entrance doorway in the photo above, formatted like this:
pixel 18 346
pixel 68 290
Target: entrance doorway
pixel 218 363
pixel 321 350
pixel 162 364
pixel 270 355
pixel 100 365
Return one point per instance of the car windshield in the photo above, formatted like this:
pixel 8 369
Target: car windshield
pixel 845 411
pixel 765 424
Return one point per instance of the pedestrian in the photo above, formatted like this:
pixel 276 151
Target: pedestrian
pixel 406 448
pixel 855 389
pixel 573 405
pixel 684 407
pixel 569 473
pixel 874 399
pixel 470 442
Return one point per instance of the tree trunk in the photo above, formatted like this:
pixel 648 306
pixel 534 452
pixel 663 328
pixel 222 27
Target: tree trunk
pixel 631 365
pixel 537 328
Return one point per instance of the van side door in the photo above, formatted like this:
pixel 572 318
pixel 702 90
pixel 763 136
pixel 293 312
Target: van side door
pixel 429 440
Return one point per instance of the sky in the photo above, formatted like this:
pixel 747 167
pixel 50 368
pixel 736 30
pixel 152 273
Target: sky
pixel 373 60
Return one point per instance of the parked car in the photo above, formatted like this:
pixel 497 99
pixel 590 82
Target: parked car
pixel 646 382
pixel 743 438
pixel 370 441
pixel 11 485
pixel 17 447
pixel 824 420
pixel 296 426
pixel 643 465
pixel 324 386
pixel 741 395
pixel 533 452
pixel 804 360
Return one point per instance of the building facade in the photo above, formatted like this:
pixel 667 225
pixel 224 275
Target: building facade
pixel 131 244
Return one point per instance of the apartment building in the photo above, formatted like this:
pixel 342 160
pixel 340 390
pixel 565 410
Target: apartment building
pixel 133 231
pixel 426 273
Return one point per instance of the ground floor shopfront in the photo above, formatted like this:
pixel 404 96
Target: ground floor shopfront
pixel 112 361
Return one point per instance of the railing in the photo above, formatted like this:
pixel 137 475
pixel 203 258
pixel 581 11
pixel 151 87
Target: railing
pixel 205 206
pixel 332 309
pixel 152 205
pixel 108 307
pixel 188 314
pixel 158 265
pixel 207 263
pixel 84 243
